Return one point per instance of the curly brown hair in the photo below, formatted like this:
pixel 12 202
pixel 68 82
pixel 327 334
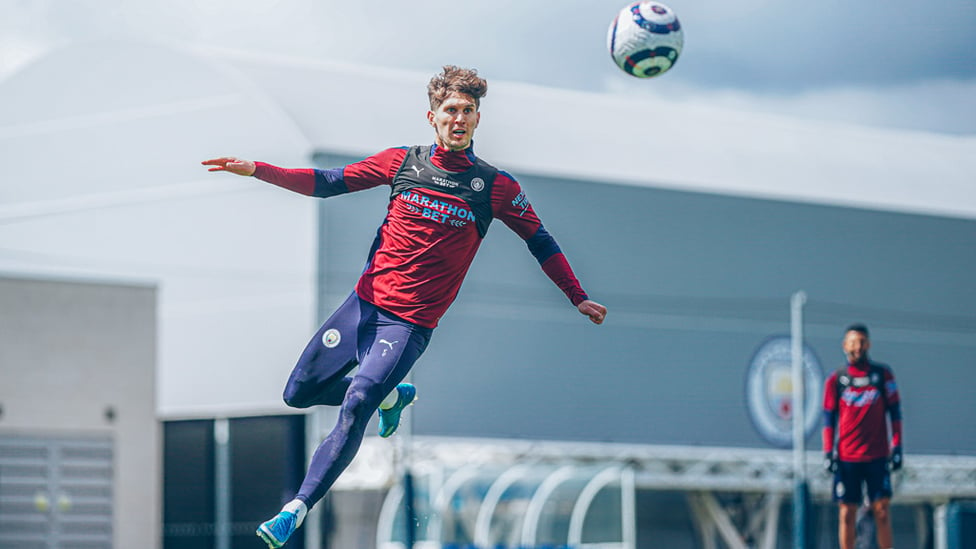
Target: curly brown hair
pixel 455 79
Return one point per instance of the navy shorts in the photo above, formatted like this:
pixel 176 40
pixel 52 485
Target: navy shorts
pixel 852 476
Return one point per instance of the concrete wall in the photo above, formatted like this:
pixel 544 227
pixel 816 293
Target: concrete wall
pixel 78 359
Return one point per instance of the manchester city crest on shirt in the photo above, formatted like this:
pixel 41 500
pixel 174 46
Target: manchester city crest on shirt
pixel 477 184
pixel 769 390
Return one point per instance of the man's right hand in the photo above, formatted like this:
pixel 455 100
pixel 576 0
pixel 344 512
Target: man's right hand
pixel 230 164
pixel 830 462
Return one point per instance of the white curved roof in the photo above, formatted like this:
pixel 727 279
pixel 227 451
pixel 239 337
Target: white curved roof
pixel 652 142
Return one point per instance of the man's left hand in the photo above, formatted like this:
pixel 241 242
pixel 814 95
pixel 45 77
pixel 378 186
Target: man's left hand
pixel 594 310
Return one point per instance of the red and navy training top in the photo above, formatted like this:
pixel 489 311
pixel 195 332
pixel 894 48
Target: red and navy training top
pixel 859 416
pixel 423 248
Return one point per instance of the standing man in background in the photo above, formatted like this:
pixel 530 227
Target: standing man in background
pixel 859 400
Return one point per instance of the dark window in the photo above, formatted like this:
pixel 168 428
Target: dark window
pixel 188 487
pixel 267 456
pixel 267 465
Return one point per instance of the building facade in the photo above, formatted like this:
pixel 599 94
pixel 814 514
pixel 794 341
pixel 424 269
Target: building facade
pixel 694 226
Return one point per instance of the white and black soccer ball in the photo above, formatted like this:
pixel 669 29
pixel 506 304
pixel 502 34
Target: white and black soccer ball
pixel 645 39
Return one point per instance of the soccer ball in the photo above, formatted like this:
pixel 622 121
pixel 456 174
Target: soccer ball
pixel 645 39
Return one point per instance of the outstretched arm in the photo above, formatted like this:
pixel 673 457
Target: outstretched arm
pixel 302 180
pixel 372 171
pixel 510 205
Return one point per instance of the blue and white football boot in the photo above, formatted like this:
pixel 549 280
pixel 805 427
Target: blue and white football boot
pixel 276 531
pixel 390 418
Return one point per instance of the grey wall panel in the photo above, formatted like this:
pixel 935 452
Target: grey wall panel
pixel 78 360
pixel 695 283
pixel 500 377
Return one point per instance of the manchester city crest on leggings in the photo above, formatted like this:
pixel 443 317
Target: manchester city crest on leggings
pixel 331 338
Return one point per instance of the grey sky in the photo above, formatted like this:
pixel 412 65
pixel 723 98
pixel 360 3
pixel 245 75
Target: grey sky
pixel 891 63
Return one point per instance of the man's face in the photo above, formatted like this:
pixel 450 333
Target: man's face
pixel 856 346
pixel 454 121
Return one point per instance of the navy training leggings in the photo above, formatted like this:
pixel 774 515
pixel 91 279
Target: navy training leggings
pixel 358 333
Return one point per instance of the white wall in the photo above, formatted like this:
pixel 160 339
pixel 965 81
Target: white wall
pixel 101 146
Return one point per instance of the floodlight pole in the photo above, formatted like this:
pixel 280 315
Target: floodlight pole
pixel 801 494
pixel 222 484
